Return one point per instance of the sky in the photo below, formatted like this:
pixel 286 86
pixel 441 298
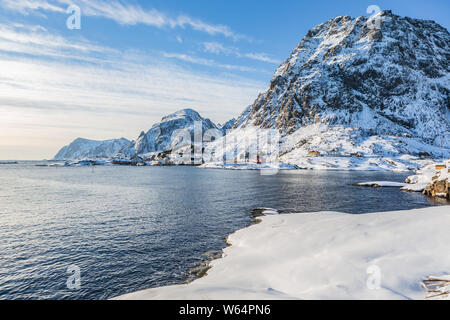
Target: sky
pixel 129 63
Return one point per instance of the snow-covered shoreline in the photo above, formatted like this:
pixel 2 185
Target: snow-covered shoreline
pixel 309 163
pixel 326 255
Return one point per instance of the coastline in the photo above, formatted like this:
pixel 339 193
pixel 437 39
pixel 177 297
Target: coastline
pixel 320 163
pixel 325 255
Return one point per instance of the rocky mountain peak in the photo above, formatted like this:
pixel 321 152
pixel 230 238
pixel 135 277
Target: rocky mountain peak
pixel 160 137
pixel 184 114
pixel 385 74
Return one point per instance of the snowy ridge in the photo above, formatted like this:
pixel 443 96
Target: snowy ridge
pixel 227 126
pixel 91 149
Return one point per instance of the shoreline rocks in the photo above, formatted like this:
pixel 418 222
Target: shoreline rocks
pixel 438 188
pixel 432 180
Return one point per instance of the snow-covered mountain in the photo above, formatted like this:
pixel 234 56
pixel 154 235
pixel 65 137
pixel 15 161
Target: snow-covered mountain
pixel 227 126
pixel 394 79
pixel 372 87
pixel 364 93
pixel 91 149
pixel 161 137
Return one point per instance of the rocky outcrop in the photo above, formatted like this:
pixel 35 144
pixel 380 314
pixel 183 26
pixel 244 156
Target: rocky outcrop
pixel 438 188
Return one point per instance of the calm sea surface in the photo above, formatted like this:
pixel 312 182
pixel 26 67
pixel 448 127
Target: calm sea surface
pixel 132 228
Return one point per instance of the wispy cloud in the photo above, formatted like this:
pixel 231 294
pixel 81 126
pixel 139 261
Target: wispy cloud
pixel 28 27
pixel 261 57
pixel 218 48
pixel 36 41
pixel 124 14
pixel 208 62
pixel 27 6
pixel 52 82
pixel 37 37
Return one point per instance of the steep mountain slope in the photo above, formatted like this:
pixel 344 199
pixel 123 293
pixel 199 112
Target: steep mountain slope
pixel 378 87
pixel 364 93
pixel 91 149
pixel 162 136
pixel 392 79
pixel 227 126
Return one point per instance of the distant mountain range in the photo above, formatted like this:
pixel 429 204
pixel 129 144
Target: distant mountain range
pixel 159 138
pixel 91 149
pixel 366 87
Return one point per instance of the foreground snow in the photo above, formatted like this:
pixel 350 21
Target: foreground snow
pixel 326 255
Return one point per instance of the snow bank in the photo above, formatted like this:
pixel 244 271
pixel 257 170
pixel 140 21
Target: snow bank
pixel 326 255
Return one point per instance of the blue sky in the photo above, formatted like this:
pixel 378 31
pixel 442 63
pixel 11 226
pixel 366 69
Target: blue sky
pixel 133 62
